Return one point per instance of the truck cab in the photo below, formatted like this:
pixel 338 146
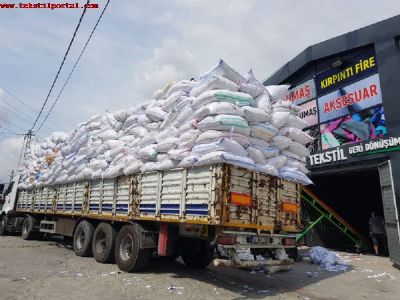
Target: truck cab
pixel 8 223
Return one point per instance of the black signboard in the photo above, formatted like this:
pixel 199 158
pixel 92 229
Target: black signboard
pixel 351 70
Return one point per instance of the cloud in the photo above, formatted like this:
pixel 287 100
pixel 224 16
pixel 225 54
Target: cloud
pixel 142 45
pixel 9 154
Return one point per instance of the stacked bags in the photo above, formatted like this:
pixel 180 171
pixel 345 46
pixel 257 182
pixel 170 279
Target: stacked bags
pixel 223 117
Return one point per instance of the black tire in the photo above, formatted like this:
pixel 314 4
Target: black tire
pixel 103 244
pixel 197 253
pixel 3 225
pixel 28 230
pixel 293 253
pixel 83 238
pixel 128 255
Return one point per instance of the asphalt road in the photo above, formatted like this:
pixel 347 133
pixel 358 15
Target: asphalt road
pixel 50 270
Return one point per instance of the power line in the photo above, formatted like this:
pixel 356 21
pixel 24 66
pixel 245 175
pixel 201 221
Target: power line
pixel 24 114
pixel 9 130
pixel 20 117
pixel 27 105
pixel 13 125
pixel 62 64
pixel 76 63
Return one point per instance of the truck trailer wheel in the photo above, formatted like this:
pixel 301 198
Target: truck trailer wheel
pixel 103 245
pixel 83 238
pixel 197 253
pixel 28 231
pixel 128 255
pixel 3 224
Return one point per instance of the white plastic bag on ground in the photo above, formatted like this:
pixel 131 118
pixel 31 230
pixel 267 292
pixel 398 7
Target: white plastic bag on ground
pixel 320 255
pixel 225 123
pixel 216 82
pixel 237 98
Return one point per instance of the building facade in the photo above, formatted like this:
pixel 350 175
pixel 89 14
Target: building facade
pixel 348 88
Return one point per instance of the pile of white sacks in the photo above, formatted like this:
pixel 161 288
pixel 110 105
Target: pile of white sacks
pixel 221 118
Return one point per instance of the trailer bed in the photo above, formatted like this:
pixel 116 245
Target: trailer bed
pixel 219 194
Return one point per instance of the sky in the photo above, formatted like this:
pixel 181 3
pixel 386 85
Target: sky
pixel 140 46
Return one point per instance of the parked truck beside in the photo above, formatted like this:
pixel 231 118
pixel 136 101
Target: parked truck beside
pixel 181 212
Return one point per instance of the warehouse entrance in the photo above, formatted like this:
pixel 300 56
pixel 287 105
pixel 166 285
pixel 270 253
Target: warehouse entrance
pixel 353 194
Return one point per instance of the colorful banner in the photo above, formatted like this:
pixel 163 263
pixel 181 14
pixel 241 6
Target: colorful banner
pixel 350 99
pixel 350 71
pixel 309 112
pixel 302 93
pixel 363 126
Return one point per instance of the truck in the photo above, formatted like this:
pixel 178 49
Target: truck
pixel 202 214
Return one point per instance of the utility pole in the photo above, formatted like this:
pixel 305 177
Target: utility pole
pixel 27 141
pixel 12 172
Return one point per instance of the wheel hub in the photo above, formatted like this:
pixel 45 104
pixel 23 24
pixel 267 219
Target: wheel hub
pixel 126 248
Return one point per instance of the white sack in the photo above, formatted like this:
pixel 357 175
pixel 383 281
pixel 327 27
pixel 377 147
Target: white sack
pixel 224 70
pixel 216 82
pixel 298 149
pixel 280 118
pixel 225 123
pixel 256 155
pixel 210 136
pixel 264 131
pixel 254 114
pixel 296 135
pixel 277 92
pixel 237 98
pixel 217 108
pixel 220 145
pixel 224 157
pixel 281 142
pixel 278 161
